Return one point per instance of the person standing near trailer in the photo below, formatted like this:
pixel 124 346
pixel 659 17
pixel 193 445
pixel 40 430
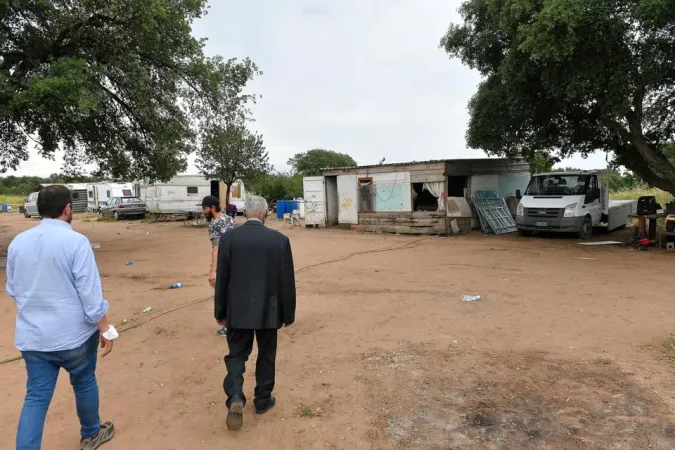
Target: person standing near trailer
pixel 219 224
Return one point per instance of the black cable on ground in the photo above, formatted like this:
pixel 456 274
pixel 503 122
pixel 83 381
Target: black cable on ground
pixel 131 326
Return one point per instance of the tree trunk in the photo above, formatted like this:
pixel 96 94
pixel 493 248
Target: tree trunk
pixel 652 166
pixel 227 195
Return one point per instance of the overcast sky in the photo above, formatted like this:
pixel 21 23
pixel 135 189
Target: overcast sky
pixel 361 77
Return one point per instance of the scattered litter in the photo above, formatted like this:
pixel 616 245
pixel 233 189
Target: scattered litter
pixel 95 245
pixel 147 310
pixel 176 285
pixel 124 321
pixel 587 259
pixel 470 298
pixel 601 243
pixel 129 263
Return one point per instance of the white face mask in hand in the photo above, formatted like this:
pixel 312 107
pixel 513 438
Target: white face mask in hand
pixel 111 333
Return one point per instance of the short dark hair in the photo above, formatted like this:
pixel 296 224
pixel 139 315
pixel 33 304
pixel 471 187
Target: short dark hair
pixel 210 201
pixel 52 200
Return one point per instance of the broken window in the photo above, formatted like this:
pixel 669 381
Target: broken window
pixel 423 200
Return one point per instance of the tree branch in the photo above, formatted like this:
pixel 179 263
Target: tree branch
pixel 129 110
pixel 629 157
pixel 654 160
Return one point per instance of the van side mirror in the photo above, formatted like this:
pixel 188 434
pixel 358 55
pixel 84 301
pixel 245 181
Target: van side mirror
pixel 518 194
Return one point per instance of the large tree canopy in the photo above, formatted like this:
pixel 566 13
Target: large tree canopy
pixel 311 162
pixel 572 76
pixel 119 83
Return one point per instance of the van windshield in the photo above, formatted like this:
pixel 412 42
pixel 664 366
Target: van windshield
pixel 558 184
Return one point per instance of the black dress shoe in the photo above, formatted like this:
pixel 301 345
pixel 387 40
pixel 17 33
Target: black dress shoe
pixel 270 404
pixel 235 415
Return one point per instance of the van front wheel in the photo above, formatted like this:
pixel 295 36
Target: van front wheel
pixel 586 230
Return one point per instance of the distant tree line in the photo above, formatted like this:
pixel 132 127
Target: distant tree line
pixel 288 185
pixel 13 185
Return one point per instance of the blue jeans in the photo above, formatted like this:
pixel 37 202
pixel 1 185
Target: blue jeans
pixel 43 370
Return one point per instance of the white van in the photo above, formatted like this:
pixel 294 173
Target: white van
pixel 571 202
pixel 30 207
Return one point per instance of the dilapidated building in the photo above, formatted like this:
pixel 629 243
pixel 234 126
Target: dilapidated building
pixel 409 198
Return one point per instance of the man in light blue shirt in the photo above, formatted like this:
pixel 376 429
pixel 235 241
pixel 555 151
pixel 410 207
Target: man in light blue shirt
pixel 61 317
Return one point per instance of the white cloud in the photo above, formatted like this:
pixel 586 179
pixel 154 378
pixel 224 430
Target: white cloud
pixel 361 77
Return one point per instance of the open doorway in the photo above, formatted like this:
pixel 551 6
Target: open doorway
pixel 331 201
pixel 457 186
pixel 215 188
pixel 423 200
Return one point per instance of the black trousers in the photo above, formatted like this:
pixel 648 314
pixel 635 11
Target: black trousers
pixel 240 343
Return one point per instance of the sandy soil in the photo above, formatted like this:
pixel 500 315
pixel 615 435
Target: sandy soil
pixel 564 351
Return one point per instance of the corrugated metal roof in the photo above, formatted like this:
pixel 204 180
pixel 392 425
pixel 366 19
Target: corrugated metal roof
pixel 432 161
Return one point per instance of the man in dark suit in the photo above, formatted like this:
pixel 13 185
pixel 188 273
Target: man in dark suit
pixel 255 296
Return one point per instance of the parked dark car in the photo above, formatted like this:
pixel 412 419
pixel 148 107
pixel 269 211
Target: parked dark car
pixel 124 207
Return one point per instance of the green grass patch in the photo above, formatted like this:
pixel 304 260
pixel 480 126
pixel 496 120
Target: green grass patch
pixel 605 361
pixel 662 197
pixel 306 412
pixel 669 347
pixel 14 200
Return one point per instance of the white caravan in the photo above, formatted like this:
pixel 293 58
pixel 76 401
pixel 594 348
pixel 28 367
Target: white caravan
pixel 182 194
pixel 572 202
pixel 98 194
pixel 237 195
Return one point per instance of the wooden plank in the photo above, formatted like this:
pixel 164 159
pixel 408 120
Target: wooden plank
pixel 418 214
pixel 406 230
pixel 426 178
pixel 440 222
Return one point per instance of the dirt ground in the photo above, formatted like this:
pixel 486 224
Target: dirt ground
pixel 564 351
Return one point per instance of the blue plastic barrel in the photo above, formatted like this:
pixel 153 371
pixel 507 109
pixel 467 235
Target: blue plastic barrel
pixel 291 206
pixel 5 207
pixel 281 208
